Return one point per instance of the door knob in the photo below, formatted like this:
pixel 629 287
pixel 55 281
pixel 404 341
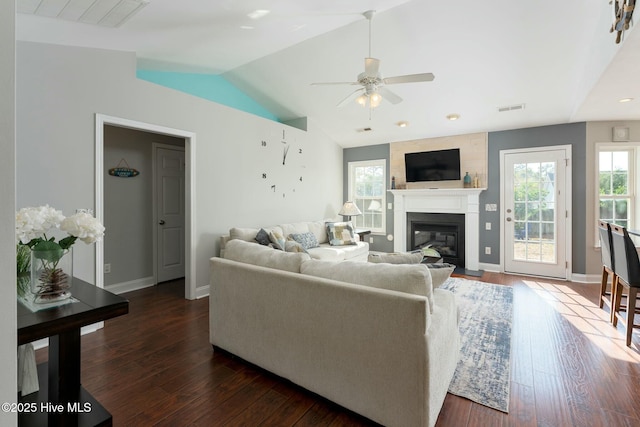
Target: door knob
pixel 508 219
pixel 508 210
pixel 161 222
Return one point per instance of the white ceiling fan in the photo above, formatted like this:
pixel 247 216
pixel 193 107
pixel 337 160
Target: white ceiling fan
pixel 373 88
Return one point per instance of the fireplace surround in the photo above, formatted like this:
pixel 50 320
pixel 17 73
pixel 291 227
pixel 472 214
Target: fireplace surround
pixel 448 201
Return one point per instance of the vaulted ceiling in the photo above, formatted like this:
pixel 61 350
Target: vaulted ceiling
pixel 556 59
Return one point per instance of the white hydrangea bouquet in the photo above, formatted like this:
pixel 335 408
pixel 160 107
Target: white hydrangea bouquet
pixel 33 229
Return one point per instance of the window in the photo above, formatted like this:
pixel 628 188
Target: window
pixel 615 185
pixel 368 190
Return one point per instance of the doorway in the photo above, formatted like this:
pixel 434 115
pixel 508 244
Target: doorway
pixel 536 222
pixel 189 162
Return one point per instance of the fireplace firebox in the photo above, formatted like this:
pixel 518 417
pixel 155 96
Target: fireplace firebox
pixel 441 231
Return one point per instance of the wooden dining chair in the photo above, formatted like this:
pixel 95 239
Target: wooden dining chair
pixel 608 266
pixel 627 278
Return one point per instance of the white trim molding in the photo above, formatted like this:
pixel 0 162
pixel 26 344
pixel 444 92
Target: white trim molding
pixel 190 184
pixel 440 200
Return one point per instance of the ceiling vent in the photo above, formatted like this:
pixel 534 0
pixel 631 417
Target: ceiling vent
pixel 511 108
pixel 365 130
pixel 106 13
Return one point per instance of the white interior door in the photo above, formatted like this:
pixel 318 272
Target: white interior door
pixel 170 229
pixel 535 214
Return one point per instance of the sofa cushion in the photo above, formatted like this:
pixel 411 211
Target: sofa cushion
pixel 294 228
pixel 253 253
pixel 319 229
pixel 396 258
pixel 246 234
pixel 326 252
pixel 440 272
pixel 308 240
pixel 408 278
pixel 340 233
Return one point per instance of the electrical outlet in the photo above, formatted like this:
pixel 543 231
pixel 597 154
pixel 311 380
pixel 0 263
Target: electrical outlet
pixel 107 268
pixel 487 250
pixel 389 206
pixel 487 226
pixel 370 239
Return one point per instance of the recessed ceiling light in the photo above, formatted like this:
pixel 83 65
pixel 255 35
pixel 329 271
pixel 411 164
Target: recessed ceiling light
pixel 403 124
pixel 453 117
pixel 258 13
pixel 626 100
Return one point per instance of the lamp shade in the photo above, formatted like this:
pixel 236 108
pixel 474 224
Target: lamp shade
pixel 349 209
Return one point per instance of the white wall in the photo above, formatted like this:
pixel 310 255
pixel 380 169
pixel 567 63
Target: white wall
pixel 8 325
pixel 60 89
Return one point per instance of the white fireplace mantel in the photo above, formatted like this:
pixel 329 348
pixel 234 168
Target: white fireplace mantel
pixel 441 200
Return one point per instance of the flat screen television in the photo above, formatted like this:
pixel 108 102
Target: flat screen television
pixel 440 165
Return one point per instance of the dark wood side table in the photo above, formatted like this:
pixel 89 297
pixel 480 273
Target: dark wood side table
pixel 362 232
pixel 60 377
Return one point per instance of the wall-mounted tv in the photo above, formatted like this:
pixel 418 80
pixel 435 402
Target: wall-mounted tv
pixel 440 165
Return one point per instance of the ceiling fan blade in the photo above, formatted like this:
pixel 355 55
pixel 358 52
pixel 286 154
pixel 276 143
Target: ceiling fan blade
pixel 334 83
pixel 410 78
pixel 349 97
pixel 371 66
pixel 389 96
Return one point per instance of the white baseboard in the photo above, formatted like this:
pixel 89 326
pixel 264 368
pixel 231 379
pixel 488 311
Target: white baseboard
pixel 586 278
pixel 133 285
pixel 202 291
pixel 494 268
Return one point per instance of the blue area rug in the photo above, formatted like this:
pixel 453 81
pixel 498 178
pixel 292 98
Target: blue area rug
pixel 486 315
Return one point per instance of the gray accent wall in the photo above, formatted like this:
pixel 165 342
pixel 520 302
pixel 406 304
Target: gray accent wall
pixel 573 134
pixel 8 326
pixel 371 152
pixel 128 207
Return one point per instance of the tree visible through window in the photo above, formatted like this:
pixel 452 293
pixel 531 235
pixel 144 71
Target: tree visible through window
pixel 614 187
pixel 367 189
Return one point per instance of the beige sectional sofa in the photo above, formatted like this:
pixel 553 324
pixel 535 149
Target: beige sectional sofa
pixel 324 251
pixel 385 352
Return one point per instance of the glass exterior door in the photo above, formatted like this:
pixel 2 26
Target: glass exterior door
pixel 535 213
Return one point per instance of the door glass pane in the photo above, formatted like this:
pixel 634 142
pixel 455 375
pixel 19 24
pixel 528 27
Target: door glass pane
pixel 534 212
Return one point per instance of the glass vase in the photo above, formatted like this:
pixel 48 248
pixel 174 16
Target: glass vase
pixel 51 275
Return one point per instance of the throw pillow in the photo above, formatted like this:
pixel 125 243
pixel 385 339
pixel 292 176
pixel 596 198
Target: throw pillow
pixel 293 246
pixel 396 258
pixel 341 233
pixel 411 279
pixel 440 272
pixel 263 237
pixel 277 239
pixel 307 240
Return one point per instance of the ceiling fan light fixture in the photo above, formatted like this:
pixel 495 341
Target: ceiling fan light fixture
pixel 375 99
pixel 362 100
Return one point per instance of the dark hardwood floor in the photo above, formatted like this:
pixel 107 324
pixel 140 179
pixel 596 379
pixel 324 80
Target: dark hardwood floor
pixel 155 366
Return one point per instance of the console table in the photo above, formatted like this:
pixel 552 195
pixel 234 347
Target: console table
pixel 60 377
